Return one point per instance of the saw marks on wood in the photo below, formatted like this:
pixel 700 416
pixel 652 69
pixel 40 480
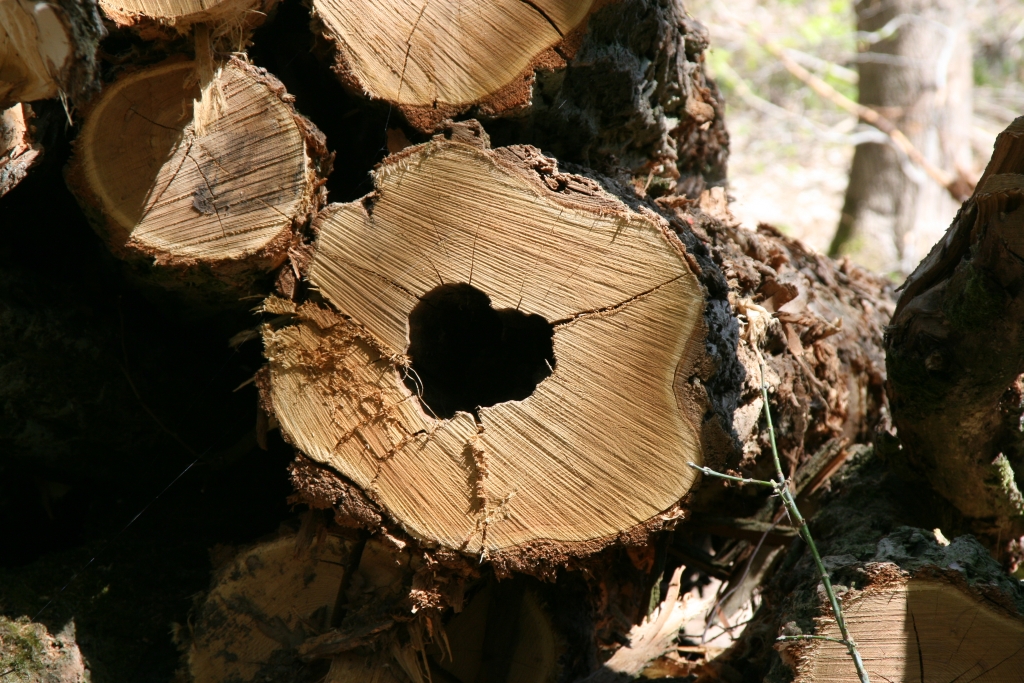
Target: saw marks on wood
pixel 923 630
pixel 165 188
pixel 265 603
pixel 602 443
pixel 439 54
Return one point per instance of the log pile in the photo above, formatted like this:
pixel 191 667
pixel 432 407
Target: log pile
pixel 499 365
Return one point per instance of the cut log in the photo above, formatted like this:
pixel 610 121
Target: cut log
pixel 955 349
pixel 520 363
pixel 214 193
pixel 920 608
pixel 47 49
pixel 564 75
pixel 155 19
pixel 433 60
pixel 19 149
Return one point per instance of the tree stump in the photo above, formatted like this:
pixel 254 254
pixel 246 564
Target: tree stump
pixel 519 359
pixel 209 185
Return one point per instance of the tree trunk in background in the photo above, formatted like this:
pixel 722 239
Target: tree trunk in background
pixel 920 78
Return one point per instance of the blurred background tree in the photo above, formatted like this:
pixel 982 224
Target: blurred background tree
pixel 915 61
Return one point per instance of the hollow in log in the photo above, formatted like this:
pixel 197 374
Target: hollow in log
pixel 502 357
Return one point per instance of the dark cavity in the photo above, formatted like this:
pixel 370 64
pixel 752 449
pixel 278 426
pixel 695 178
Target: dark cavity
pixel 467 355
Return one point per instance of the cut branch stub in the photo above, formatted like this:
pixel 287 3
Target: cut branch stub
pixel 515 259
pixel 211 190
pixel 433 60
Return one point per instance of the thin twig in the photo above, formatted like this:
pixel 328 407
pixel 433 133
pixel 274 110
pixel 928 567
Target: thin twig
pixel 798 520
pixel 782 489
pixel 808 637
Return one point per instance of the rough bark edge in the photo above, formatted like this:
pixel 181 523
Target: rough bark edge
pixel 226 277
pixel 507 100
pixel 224 20
pixel 25 150
pixel 81 73
pixel 958 304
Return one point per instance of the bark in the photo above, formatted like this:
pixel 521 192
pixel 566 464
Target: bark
pixel 920 78
pixel 919 606
pixel 953 354
pixel 30 654
pixel 620 86
pixel 19 146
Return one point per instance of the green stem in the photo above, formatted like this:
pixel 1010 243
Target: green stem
pixel 712 473
pixel 806 637
pixel 798 520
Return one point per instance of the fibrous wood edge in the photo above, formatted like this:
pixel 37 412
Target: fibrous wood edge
pixel 928 627
pixel 326 369
pixel 47 49
pixel 166 19
pixel 389 51
pixel 263 604
pixel 219 205
pixel 19 150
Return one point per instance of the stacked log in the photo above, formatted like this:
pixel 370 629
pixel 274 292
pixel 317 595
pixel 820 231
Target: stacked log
pixel 500 371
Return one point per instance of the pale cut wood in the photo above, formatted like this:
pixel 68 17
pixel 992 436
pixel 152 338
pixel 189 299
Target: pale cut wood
pixel 18 147
pixel 599 448
pixel 920 630
pixel 150 16
pixel 46 49
pixel 266 601
pixel 216 189
pixel 433 58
